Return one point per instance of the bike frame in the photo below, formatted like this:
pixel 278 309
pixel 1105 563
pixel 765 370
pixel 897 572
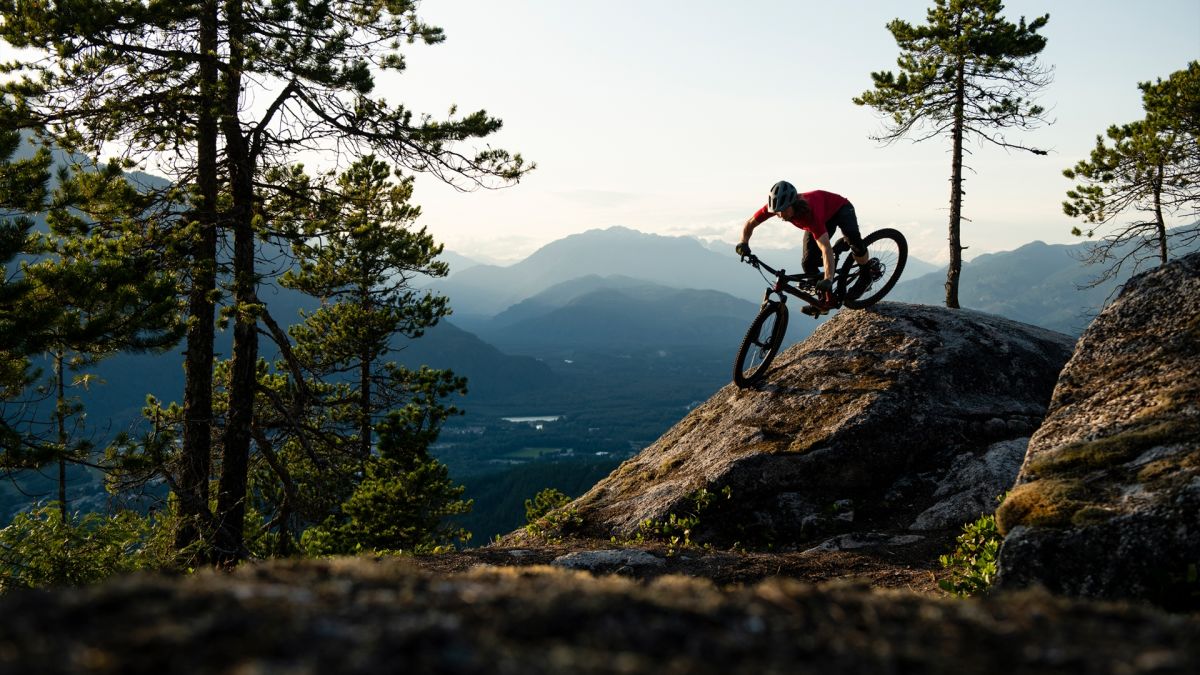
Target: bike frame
pixel 783 283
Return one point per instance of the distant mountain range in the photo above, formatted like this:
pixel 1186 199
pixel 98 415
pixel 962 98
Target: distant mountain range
pixel 1041 284
pixel 675 262
pixel 618 289
pixel 618 313
pixel 615 292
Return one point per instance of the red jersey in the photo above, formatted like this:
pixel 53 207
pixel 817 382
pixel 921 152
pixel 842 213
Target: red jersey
pixel 821 204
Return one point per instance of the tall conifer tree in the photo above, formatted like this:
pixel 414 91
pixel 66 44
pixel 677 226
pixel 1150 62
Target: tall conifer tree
pixel 358 253
pixel 1150 167
pixel 175 77
pixel 967 72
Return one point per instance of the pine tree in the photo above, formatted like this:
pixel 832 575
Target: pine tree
pixel 24 185
pixel 360 260
pixel 966 72
pixel 107 285
pixel 403 503
pixel 1151 167
pixel 358 253
pixel 173 78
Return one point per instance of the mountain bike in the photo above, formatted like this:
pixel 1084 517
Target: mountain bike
pixel 854 286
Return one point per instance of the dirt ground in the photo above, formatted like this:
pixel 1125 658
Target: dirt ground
pixel 913 567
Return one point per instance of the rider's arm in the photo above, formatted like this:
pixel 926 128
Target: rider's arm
pixel 748 229
pixel 826 254
pixel 759 217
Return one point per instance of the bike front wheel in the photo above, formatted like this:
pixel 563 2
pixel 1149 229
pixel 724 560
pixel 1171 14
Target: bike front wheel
pixel 761 344
pixel 864 285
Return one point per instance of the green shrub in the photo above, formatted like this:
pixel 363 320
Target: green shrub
pixel 396 508
pixel 676 531
pixel 544 502
pixel 549 518
pixel 38 549
pixel 973 562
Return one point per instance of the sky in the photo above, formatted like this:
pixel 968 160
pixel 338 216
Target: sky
pixel 675 117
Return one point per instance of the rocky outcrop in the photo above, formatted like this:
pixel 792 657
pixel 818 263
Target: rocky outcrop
pixel 896 417
pixel 1108 499
pixel 366 616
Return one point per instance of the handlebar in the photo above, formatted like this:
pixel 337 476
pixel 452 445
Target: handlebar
pixel 753 261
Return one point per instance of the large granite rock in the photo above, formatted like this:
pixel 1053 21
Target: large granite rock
pixel 877 418
pixel 1108 500
pixel 363 616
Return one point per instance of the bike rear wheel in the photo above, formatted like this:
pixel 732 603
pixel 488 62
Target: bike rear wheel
pixel 861 287
pixel 761 344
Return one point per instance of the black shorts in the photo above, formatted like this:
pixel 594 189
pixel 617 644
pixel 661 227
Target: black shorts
pixel 843 219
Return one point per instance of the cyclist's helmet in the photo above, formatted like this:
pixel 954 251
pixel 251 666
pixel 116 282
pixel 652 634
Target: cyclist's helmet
pixel 783 195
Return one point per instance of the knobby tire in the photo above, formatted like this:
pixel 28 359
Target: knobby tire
pixel 887 246
pixel 761 344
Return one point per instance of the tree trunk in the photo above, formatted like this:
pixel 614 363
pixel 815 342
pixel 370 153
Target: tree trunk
pixel 195 469
pixel 60 413
pixel 956 193
pixel 364 374
pixel 1160 224
pixel 231 497
pixel 364 403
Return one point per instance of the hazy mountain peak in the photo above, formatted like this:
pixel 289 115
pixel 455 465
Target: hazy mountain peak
pixel 678 262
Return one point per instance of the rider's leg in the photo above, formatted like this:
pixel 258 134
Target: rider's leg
pixel 847 221
pixel 811 260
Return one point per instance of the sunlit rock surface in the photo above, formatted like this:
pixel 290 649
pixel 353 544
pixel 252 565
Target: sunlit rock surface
pixel 1108 500
pixel 893 418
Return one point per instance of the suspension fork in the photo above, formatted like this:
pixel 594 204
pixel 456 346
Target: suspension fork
pixel 781 298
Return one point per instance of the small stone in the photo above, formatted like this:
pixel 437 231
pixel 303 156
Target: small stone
pixel 625 561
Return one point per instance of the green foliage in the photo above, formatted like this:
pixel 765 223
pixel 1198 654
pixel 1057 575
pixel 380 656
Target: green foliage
pixel 39 549
pixel 402 504
pixel 549 517
pixel 1149 167
pixel 1173 106
pixel 676 530
pixel 544 502
pixel 23 191
pixel 972 564
pixel 88 285
pixel 556 524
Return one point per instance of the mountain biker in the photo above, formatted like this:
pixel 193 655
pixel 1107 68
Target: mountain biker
pixel 820 214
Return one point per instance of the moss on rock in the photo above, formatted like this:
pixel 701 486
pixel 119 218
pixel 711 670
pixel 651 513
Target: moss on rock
pixel 1111 451
pixel 1043 503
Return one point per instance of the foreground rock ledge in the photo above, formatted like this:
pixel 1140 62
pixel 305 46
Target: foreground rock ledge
pixel 367 616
